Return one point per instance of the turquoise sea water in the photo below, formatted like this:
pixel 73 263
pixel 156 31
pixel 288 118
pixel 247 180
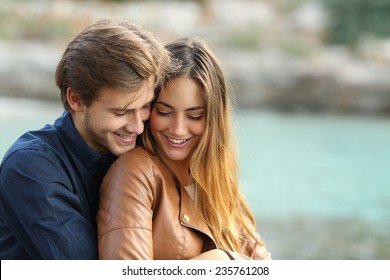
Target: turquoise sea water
pixel 319 185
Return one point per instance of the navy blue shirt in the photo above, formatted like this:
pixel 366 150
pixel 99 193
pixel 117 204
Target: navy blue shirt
pixel 49 195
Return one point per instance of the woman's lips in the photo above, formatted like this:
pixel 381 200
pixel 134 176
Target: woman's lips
pixel 177 143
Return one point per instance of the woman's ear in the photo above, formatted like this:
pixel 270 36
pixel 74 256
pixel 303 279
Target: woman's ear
pixel 74 100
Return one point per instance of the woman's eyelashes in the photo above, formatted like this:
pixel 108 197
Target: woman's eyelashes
pixel 195 117
pixel 163 113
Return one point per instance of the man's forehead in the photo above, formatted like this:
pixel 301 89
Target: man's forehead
pixel 126 100
pixel 140 101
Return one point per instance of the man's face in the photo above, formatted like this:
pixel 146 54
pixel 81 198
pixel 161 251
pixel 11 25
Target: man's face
pixel 113 121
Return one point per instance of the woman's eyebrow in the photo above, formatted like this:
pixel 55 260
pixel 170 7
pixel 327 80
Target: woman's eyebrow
pixel 194 108
pixel 171 107
pixel 165 104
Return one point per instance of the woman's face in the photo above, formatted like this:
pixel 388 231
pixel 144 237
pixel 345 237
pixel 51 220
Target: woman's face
pixel 178 119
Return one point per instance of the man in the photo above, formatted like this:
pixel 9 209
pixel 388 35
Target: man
pixel 50 178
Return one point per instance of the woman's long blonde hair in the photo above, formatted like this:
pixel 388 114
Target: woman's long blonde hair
pixel 213 166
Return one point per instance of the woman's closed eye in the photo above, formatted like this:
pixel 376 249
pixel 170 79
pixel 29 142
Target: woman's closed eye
pixel 195 117
pixel 162 112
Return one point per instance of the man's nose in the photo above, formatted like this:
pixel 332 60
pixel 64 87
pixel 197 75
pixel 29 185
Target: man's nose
pixel 135 123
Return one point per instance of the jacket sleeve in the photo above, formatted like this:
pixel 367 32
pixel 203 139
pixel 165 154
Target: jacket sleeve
pixel 39 207
pixel 126 209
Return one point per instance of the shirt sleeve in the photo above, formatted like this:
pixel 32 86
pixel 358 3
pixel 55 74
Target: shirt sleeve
pixel 127 197
pixel 41 209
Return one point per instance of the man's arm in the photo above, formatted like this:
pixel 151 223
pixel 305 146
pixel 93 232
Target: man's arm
pixel 38 204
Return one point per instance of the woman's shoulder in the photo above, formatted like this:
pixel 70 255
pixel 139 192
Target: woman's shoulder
pixel 138 158
pixel 138 154
pixel 133 166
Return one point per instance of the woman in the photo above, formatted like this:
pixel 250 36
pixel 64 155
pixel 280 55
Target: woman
pixel 178 196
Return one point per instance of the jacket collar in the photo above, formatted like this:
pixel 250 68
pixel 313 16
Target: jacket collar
pixel 190 216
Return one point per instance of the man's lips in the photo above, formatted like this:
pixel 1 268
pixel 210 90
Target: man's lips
pixel 126 138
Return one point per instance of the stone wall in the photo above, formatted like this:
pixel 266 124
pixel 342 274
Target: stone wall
pixel 273 53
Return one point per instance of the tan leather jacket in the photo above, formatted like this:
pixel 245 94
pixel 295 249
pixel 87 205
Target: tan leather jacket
pixel 145 215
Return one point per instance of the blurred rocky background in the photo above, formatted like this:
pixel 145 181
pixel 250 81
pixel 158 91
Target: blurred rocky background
pixel 289 55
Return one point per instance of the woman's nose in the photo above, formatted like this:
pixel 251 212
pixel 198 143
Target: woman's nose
pixel 178 127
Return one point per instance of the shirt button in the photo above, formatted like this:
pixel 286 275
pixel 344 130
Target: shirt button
pixel 186 218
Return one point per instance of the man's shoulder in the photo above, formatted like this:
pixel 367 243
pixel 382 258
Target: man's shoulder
pixel 30 159
pixel 44 139
pixel 32 143
pixel 34 138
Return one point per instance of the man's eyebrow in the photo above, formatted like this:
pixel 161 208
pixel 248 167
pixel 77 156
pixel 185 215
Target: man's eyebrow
pixel 117 109
pixel 171 107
